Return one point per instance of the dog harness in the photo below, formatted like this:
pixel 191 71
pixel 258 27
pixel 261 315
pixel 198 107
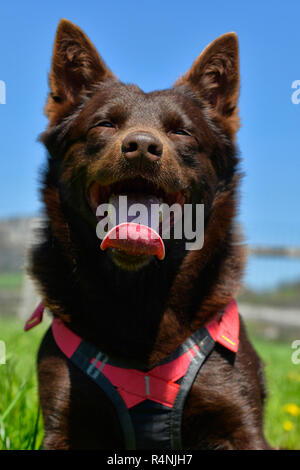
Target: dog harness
pixel 149 404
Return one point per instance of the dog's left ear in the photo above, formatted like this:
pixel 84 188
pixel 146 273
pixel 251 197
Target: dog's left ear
pixel 76 66
pixel 214 77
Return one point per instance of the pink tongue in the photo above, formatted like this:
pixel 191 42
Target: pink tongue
pixel 135 238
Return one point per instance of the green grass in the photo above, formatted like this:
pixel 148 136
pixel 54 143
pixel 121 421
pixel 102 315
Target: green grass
pixel 283 385
pixel 11 281
pixel 21 429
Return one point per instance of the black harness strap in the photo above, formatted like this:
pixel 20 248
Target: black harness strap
pixel 206 344
pixel 82 358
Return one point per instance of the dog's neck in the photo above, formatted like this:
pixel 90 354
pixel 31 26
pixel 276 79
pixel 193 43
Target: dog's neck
pixel 149 312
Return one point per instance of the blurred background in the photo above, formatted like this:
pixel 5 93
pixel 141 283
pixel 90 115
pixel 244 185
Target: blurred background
pixel 151 43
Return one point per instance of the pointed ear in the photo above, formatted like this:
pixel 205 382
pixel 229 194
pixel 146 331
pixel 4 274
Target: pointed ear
pixel 76 65
pixel 214 77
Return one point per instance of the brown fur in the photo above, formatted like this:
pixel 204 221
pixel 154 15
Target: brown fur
pixel 55 406
pixel 143 315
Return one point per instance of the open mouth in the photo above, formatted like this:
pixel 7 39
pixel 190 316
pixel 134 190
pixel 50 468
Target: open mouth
pixel 134 216
pixel 99 194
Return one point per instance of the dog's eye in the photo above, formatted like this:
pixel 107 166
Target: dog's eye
pixel 105 124
pixel 180 132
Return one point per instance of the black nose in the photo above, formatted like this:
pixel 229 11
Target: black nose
pixel 142 145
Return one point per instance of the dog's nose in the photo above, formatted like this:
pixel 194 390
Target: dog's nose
pixel 142 145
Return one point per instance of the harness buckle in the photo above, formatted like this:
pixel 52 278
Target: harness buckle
pixel 147 385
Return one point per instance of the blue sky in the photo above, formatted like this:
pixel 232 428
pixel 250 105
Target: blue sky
pixel 151 43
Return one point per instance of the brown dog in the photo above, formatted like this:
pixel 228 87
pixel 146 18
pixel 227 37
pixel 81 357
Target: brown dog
pixel 106 138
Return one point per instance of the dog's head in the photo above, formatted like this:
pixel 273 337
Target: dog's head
pixel 106 139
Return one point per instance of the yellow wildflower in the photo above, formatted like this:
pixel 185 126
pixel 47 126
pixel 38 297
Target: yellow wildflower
pixel 294 376
pixel 288 425
pixel 292 409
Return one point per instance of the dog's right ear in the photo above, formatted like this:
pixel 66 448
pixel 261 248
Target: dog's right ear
pixel 76 66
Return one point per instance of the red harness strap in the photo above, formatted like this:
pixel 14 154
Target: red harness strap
pixel 36 317
pixel 158 384
pixel 226 331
